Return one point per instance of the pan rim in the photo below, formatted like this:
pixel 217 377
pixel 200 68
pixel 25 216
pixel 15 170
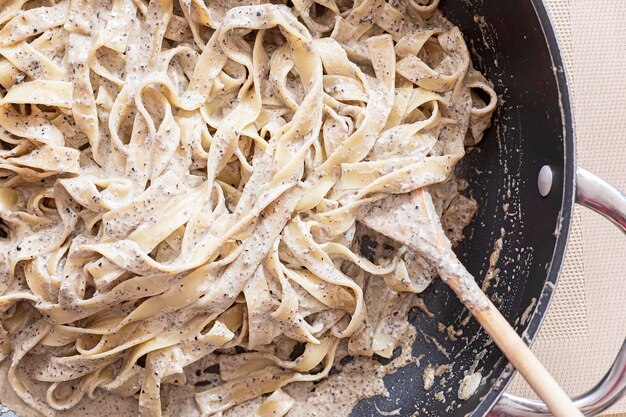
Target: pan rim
pixel 564 219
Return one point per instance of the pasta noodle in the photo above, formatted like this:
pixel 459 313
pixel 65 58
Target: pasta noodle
pixel 179 185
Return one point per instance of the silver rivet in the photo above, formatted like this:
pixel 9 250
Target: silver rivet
pixel 544 181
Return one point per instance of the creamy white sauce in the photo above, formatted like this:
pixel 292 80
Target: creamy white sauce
pixel 469 385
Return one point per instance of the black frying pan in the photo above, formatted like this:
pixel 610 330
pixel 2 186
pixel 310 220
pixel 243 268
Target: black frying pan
pixel 513 43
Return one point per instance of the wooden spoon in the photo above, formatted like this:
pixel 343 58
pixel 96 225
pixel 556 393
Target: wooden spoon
pixel 411 219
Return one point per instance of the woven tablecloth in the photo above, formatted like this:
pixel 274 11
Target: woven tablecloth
pixel 586 323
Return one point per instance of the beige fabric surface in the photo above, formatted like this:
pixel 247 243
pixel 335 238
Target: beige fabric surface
pixel 586 323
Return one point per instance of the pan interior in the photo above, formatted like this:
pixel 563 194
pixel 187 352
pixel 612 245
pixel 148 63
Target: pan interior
pixel 509 46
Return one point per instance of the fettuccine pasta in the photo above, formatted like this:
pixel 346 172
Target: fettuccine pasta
pixel 179 185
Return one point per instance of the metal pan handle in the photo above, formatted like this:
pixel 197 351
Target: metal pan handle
pixel 598 195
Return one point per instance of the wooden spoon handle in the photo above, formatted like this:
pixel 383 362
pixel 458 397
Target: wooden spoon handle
pixel 454 273
pixel 412 220
pixel 525 361
pixel 510 343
